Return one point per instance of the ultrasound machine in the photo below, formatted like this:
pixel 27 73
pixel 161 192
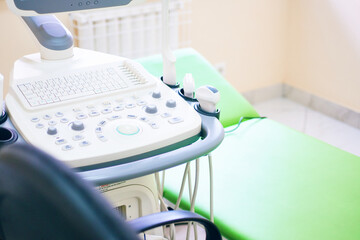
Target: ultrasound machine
pixel 104 115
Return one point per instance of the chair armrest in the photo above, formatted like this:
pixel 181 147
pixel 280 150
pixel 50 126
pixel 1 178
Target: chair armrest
pixel 147 222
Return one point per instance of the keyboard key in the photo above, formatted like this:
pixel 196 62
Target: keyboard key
pixel 64 120
pixel 98 130
pixel 114 117
pixel 39 125
pixel 78 137
pixel 35 119
pixel 102 138
pixel 47 117
pixel 60 141
pixel 119 108
pixel 94 113
pixel 84 143
pixel 166 115
pixel 59 114
pixel 52 123
pixel 67 147
pixel 81 116
pixel 176 120
pixel 106 110
pixel 102 123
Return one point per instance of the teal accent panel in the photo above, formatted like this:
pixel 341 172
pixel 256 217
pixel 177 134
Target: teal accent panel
pixel 274 183
pixel 232 104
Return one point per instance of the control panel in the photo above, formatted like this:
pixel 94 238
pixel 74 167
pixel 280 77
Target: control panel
pixel 116 115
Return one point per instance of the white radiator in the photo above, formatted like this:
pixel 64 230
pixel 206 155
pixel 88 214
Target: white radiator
pixel 132 31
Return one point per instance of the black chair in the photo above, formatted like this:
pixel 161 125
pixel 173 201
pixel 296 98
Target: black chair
pixel 42 199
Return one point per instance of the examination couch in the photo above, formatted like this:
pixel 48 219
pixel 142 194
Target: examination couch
pixel 270 181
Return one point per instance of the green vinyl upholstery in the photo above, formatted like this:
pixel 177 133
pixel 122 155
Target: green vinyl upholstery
pixel 270 181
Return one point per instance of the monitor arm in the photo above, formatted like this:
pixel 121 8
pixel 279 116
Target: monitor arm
pixel 55 40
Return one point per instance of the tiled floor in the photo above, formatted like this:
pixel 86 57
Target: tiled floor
pixel 312 123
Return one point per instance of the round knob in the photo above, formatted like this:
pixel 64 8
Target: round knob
pixel 52 131
pixel 171 103
pixel 151 108
pixel 156 94
pixel 77 126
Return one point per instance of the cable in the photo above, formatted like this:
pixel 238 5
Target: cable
pixel 240 121
pixel 172 226
pixel 190 199
pixel 182 186
pixel 211 188
pixel 193 199
pixel 162 183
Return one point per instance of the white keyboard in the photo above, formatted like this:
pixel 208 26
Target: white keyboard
pixel 72 86
pixel 94 114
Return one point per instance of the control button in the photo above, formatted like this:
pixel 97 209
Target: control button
pixel 64 120
pixel 119 108
pixel 77 126
pixel 59 114
pixel 76 109
pixel 106 110
pixel 90 106
pixel 102 123
pixel 151 109
pixel 67 147
pixel 132 116
pixel 96 2
pixel 98 130
pixel 88 3
pixel 154 125
pixel 102 138
pixel 81 116
pixel 78 137
pixel 144 119
pixel 156 94
pixel 176 120
pixel 94 113
pixel 39 125
pixel 130 105
pixel 166 115
pixel 106 103
pixel 52 123
pixel 52 131
pixel 47 117
pixel 80 4
pixel 171 103
pixel 115 117
pixel 60 141
pixel 84 143
pixel 141 103
pixel 35 119
pixel 119 100
pixel 128 129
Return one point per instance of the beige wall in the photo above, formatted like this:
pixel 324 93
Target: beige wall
pixel 324 50
pixel 248 35
pixel 15 39
pixel 310 44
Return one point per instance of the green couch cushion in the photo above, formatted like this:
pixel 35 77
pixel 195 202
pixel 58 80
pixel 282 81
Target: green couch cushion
pixel 232 104
pixel 272 182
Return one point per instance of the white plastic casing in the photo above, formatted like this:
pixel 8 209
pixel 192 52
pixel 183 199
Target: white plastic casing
pixel 169 125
